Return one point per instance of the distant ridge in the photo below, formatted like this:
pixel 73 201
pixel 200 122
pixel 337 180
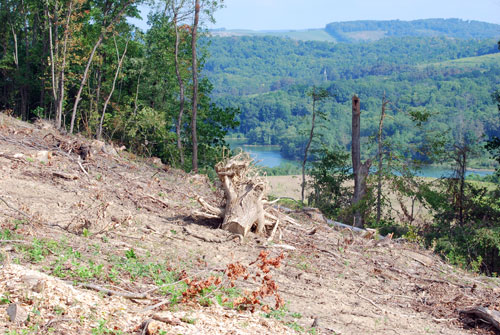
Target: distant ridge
pixel 370 30
pixel 353 31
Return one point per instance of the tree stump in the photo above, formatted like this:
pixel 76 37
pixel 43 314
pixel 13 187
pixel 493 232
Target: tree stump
pixel 244 191
pixel 246 208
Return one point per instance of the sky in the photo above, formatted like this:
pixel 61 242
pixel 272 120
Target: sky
pixel 306 14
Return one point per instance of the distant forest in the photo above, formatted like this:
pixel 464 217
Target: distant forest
pixel 452 77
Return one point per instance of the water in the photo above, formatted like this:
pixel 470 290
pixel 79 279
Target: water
pixel 270 156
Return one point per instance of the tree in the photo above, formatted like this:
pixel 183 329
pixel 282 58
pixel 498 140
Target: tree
pixel 317 95
pixel 178 126
pixel 112 13
pixel 360 170
pixel 118 68
pixel 329 174
pixel 194 65
pixel 385 102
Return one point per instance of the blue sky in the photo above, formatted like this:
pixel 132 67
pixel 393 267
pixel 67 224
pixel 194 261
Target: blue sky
pixel 303 14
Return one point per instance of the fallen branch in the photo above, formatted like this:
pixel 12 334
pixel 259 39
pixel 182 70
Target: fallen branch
pixel 15 209
pixel 207 239
pixel 126 295
pixel 15 241
pixel 215 211
pixel 371 302
pixel 82 168
pixel 173 322
pixel 64 176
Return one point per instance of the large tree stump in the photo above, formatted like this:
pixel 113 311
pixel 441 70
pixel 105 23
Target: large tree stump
pixel 246 207
pixel 244 191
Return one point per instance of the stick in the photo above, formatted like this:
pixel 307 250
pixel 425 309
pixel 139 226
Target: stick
pixel 15 241
pixel 15 209
pixel 271 236
pixel 207 239
pixel 81 167
pixel 127 295
pixel 371 302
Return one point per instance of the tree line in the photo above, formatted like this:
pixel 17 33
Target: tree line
pixel 82 65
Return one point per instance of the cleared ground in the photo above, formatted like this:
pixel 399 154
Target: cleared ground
pixel 72 229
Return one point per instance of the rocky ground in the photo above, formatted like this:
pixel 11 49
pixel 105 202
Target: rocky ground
pixel 94 240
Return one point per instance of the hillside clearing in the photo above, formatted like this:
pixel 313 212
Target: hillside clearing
pixel 124 225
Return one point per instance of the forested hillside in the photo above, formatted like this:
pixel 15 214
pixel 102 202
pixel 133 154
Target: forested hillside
pixel 450 78
pixel 83 65
pixel 368 30
pixel 373 30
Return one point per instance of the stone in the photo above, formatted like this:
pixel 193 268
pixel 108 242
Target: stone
pixel 43 156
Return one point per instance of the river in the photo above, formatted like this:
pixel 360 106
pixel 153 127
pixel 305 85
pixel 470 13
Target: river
pixel 270 156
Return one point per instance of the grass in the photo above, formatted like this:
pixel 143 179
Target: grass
pixel 61 260
pixel 468 62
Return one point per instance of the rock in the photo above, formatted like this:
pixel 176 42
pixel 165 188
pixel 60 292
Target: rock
pixel 17 314
pixel 18 155
pixel 315 214
pixel 110 150
pixel 43 156
pixel 100 146
pixel 154 327
pixel 96 146
pixel 155 161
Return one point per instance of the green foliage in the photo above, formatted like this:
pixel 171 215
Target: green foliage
pixel 284 169
pixel 329 174
pixel 368 30
pixel 143 91
pixel 101 329
pixel 269 78
pixel 475 243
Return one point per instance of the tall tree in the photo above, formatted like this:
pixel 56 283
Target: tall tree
pixel 118 68
pixel 113 12
pixel 194 64
pixel 380 154
pixel 360 170
pixel 178 126
pixel 317 95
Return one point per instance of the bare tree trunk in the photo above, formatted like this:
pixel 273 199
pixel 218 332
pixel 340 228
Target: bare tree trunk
pixel 60 102
pixel 83 82
pixel 53 61
pixel 380 159
pixel 195 86
pixel 360 170
pixel 87 67
pixel 24 88
pixel 120 62
pixel 178 126
pixel 311 134
pixel 461 160
pixel 58 70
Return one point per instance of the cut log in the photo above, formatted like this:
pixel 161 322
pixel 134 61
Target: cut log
pixel 17 314
pixel 484 314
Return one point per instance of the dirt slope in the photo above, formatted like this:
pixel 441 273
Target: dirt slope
pixel 72 228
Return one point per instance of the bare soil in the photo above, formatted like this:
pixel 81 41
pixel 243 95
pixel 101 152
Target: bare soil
pixel 66 228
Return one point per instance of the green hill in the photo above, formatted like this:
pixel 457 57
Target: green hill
pixel 361 31
pixel 354 31
pixel 300 35
pixel 268 78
